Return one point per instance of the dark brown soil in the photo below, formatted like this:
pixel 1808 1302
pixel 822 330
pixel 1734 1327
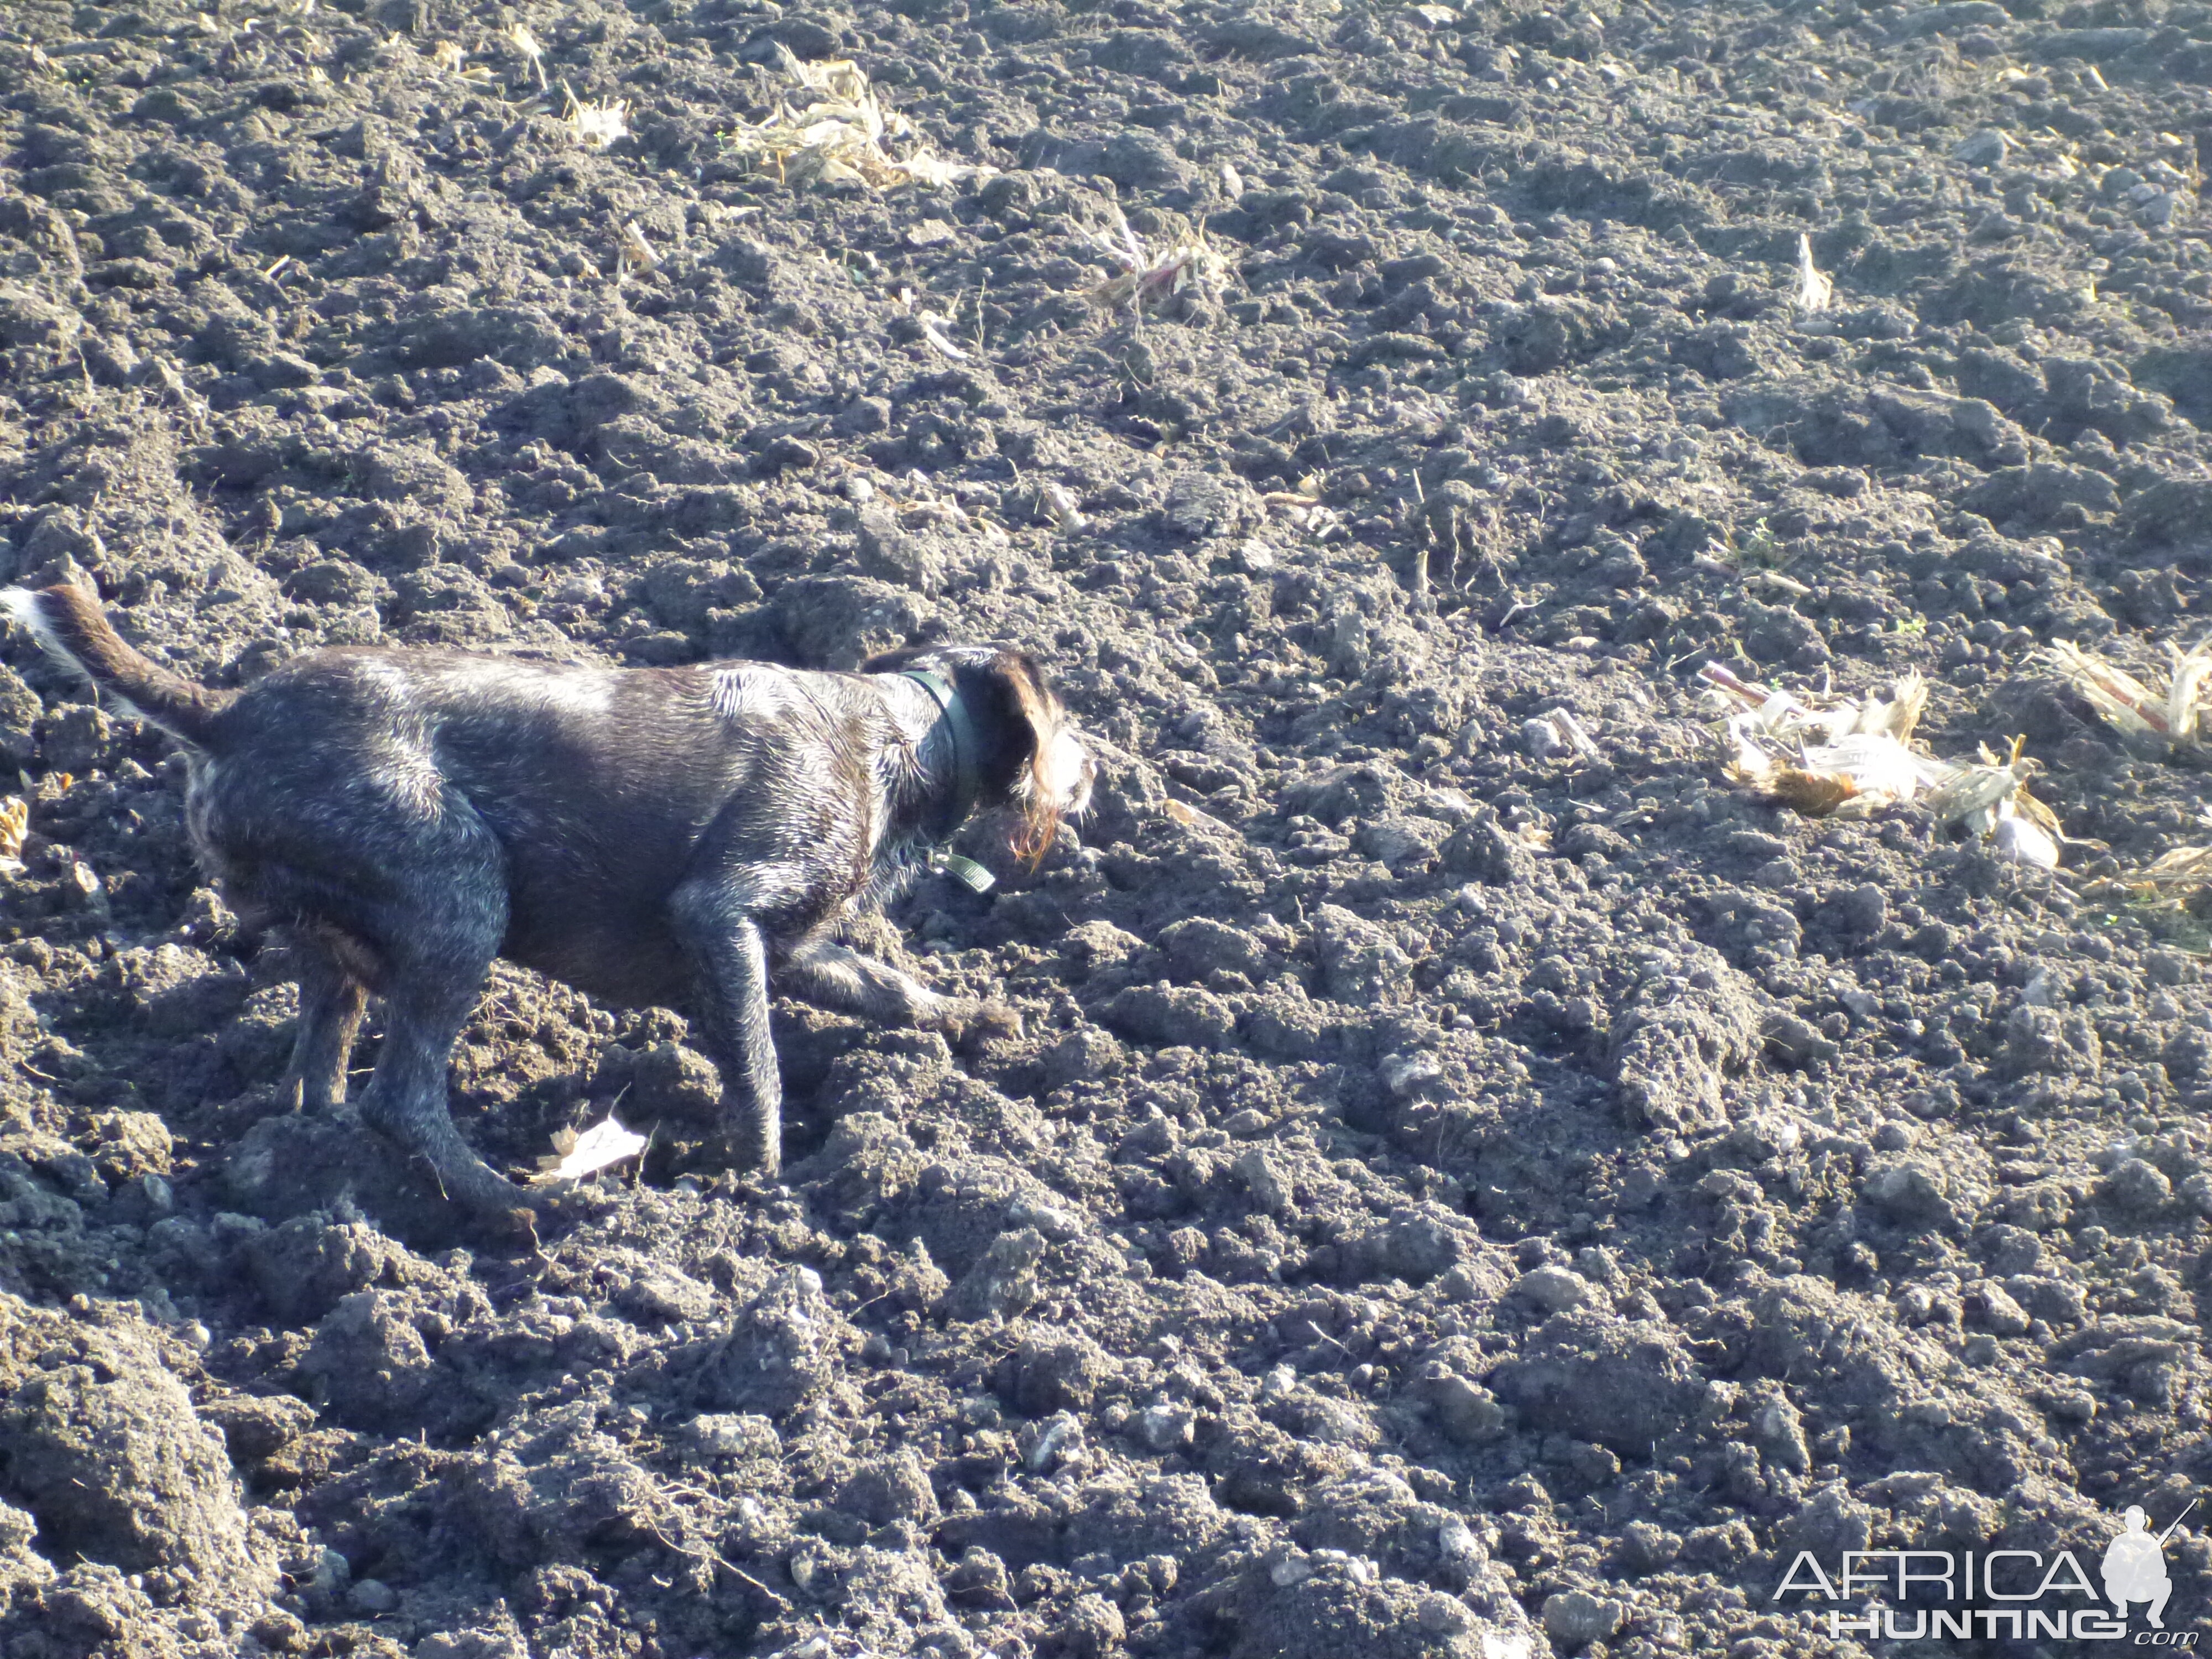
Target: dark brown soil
pixel 1449 1196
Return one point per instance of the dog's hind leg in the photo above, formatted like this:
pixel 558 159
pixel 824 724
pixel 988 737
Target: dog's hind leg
pixel 406 1097
pixel 435 939
pixel 729 957
pixel 836 976
pixel 331 1003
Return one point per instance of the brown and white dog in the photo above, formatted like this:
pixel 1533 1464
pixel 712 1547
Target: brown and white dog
pixel 670 836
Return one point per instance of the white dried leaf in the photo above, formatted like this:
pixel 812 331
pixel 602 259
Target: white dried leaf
pixel 1878 765
pixel 605 1144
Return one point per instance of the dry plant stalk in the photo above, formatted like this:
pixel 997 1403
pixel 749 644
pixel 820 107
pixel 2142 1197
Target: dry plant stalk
pixel 637 253
pixel 2175 716
pixel 1150 275
pixel 1059 503
pixel 938 337
pixel 840 134
pixel 525 42
pixel 1814 290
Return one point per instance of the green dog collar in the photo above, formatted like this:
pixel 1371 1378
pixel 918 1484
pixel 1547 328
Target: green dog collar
pixel 967 773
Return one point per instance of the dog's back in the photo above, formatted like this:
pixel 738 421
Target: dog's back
pixel 595 785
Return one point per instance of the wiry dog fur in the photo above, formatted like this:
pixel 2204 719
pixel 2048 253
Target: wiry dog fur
pixel 670 836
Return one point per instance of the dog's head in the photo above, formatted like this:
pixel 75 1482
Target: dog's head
pixel 1033 762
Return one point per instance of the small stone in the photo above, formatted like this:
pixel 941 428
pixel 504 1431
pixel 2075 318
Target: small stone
pixel 1574 1617
pixel 373 1598
pixel 1165 1425
pixel 1255 558
pixel 1440 1615
pixel 1997 1310
pixel 1553 1289
pixel 1912 1190
pixel 1408 1074
pixel 1269 1190
pixel 2137 1187
pixel 2196 1193
pixel 1465 1411
pixel 1543 738
pixel 1985 149
pixel 729 1434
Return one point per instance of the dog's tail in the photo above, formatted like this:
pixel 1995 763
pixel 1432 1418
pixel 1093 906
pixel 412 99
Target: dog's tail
pixel 69 622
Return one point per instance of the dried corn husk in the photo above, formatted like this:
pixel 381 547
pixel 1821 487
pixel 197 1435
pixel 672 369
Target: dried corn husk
pixel 1848 758
pixel 831 129
pixel 596 126
pixel 14 824
pixel 2176 714
pixel 2020 840
pixel 1854 777
pixel 1814 290
pixel 605 1144
pixel 2177 874
pixel 1150 275
pixel 1781 716
pixel 1982 795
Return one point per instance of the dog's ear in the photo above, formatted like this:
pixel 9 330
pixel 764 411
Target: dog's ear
pixel 1033 718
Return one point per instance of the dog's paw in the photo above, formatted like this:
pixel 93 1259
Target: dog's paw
pixel 567 1201
pixel 743 1152
pixel 969 1021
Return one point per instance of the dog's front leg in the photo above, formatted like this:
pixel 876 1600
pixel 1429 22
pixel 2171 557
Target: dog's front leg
pixel 836 976
pixel 729 956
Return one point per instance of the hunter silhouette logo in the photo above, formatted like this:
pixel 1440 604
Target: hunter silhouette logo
pixel 2135 1564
